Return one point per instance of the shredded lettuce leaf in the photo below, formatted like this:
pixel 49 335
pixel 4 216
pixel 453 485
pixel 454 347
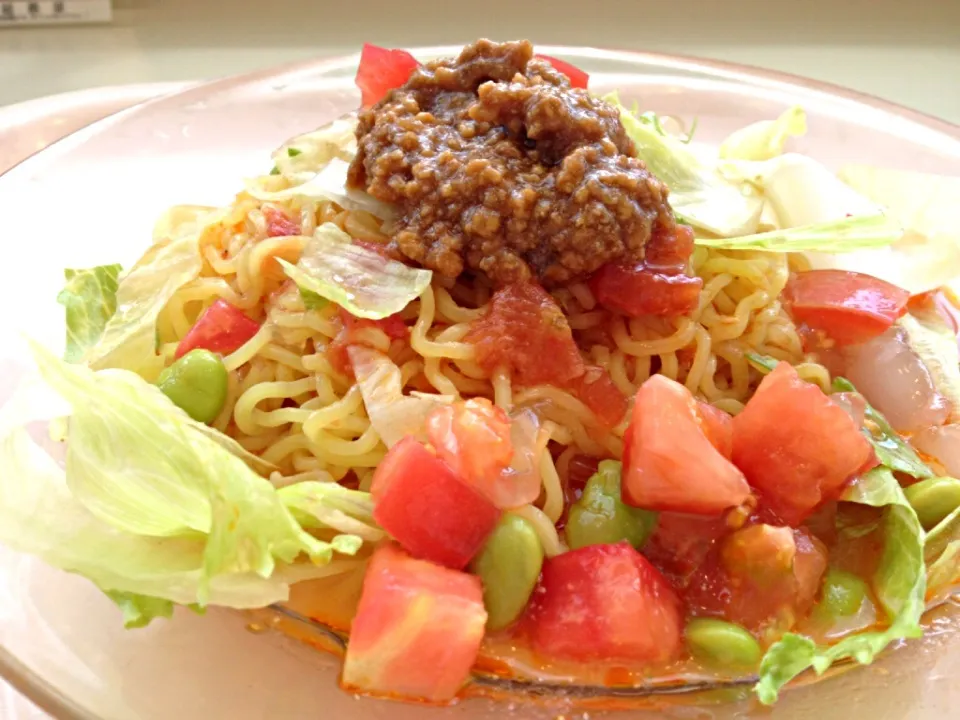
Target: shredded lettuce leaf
pixel 301 156
pixel 942 555
pixel 801 190
pixel 362 282
pixel 328 184
pixel 331 506
pixel 90 299
pixel 392 414
pixel 698 194
pixel 892 450
pixel 765 139
pixel 928 254
pixel 147 507
pixel 847 235
pixel 900 585
pixel 753 198
pixel 129 337
pixel 313 301
pixel 140 610
pixel 815 212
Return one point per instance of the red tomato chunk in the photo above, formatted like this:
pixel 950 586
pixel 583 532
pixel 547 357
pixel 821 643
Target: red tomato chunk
pixel 605 602
pixel 638 290
pixel 427 509
pixel 526 332
pixel 473 438
pixel 381 70
pixel 796 446
pixel 759 576
pixel 393 326
pixel 669 462
pixel 598 392
pixel 848 307
pixel 718 427
pixel 417 630
pixel 222 328
pixel 681 542
pixel 657 285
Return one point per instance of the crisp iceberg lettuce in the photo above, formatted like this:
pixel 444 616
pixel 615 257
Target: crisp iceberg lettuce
pixel 129 337
pixel 765 139
pixel 147 507
pixel 90 300
pixel 698 193
pixel 361 281
pixel 899 582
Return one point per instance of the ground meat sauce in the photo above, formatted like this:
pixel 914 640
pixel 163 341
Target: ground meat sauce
pixel 497 165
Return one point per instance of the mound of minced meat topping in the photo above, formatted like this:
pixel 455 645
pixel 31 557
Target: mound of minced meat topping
pixel 496 165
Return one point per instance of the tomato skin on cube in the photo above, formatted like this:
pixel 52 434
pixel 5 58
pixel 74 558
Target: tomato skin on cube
pixel 425 507
pixel 222 328
pixel 382 70
pixel 796 446
pixel 525 331
pixel 849 307
pixel 670 462
pixel 604 602
pixel 417 630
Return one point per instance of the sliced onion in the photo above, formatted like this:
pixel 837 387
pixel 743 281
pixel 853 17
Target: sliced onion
pixel 943 444
pixel 520 481
pixel 894 379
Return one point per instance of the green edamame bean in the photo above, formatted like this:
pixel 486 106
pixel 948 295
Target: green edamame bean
pixel 842 593
pixel 196 383
pixel 934 499
pixel 508 565
pixel 722 644
pixel 600 516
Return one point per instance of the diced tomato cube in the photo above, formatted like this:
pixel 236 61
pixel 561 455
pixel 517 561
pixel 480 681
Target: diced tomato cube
pixel 718 427
pixel 681 542
pixel 759 578
pixel 393 326
pixel 604 602
pixel 795 445
pixel 425 507
pixel 671 464
pixel 417 630
pixel 222 328
pixel 849 307
pixel 669 250
pixel 381 70
pixel 473 438
pixel 525 331
pixel 598 392
pixel 493 454
pixel 636 290
pixel 578 78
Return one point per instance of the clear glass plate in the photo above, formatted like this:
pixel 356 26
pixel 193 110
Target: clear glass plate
pixel 92 198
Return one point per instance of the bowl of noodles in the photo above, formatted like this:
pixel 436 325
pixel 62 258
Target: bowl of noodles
pixel 505 385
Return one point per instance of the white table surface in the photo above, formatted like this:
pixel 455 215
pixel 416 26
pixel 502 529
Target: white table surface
pixel 908 52
pixel 904 51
